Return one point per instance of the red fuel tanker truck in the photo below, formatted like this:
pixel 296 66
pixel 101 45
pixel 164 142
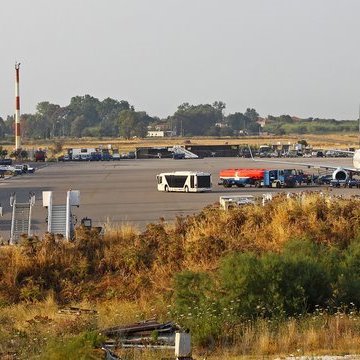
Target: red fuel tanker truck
pixel 261 177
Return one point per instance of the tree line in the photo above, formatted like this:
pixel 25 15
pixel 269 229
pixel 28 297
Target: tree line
pixel 87 116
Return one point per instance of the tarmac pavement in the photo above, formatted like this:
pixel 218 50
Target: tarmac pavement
pixel 121 192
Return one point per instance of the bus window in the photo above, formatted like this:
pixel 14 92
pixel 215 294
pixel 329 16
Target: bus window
pixel 203 181
pixel 176 181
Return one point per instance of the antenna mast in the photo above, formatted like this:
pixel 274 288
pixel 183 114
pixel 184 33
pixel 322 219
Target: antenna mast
pixel 17 107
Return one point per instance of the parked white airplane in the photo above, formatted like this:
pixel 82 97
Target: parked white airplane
pixel 341 173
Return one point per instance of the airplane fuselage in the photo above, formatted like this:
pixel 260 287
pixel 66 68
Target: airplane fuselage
pixel 356 159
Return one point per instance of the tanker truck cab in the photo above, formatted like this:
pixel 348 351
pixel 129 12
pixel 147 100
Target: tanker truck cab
pixel 184 181
pixel 280 178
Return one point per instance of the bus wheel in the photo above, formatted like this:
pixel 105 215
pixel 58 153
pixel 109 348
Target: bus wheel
pixel 166 188
pixel 278 185
pixel 186 189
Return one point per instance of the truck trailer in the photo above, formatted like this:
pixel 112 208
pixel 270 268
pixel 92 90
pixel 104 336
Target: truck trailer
pixel 240 177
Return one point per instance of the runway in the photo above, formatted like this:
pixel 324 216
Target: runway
pixel 124 192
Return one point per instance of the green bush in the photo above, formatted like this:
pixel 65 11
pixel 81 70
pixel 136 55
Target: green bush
pixel 76 348
pixel 292 282
pixel 195 307
pixel 193 292
pixel 242 284
pixel 347 287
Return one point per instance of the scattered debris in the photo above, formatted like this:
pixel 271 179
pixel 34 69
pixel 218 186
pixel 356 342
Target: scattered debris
pixel 76 311
pixel 149 333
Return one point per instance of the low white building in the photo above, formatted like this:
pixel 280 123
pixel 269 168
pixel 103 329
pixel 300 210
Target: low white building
pixel 160 133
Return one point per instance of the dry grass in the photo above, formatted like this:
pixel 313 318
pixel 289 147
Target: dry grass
pixel 27 328
pixel 127 275
pixel 126 262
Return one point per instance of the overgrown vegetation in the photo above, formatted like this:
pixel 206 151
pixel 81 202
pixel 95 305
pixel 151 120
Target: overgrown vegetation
pixel 258 280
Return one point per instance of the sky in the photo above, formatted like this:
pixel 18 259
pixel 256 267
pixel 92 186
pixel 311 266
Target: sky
pixel 295 57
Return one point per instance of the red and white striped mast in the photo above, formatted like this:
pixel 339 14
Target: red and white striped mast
pixel 17 108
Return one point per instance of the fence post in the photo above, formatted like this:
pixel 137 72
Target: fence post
pixel 182 346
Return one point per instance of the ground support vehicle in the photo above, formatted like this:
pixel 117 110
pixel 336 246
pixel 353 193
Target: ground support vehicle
pixel 5 161
pixel 324 179
pixel 350 183
pixel 6 170
pixel 184 181
pixel 262 177
pixel 282 178
pixel 235 200
pixel 23 169
pixel 240 177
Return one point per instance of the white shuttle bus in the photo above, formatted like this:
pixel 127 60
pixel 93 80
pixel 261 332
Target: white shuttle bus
pixel 185 181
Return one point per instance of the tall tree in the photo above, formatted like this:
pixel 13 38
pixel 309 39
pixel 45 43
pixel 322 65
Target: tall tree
pixel 237 121
pixel 251 114
pixel 2 128
pixel 193 120
pixel 126 123
pixel 134 123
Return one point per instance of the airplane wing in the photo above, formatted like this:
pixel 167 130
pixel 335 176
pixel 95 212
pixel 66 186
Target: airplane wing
pixel 308 165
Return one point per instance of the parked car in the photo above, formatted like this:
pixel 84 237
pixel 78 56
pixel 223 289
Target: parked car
pixel 317 154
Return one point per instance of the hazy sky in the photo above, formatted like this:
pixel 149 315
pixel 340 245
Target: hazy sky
pixel 297 57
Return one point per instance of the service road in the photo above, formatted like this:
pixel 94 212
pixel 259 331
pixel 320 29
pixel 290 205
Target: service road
pixel 124 192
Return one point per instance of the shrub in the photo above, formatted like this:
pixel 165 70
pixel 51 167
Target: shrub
pixel 347 287
pixel 196 308
pixel 275 284
pixel 242 283
pixel 77 347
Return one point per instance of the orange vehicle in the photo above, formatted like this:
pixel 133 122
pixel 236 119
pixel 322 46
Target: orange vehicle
pixel 241 177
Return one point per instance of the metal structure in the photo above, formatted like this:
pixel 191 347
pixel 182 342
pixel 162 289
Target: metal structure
pixel 180 150
pixel 21 217
pixel 60 218
pixel 141 335
pixel 17 107
pixel 228 201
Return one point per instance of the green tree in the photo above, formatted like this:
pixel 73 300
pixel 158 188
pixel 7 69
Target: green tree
pixel 219 105
pixel 237 121
pixel 193 120
pixel 2 128
pixel 109 111
pixel 133 123
pixel 78 126
pixel 127 123
pixel 251 114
